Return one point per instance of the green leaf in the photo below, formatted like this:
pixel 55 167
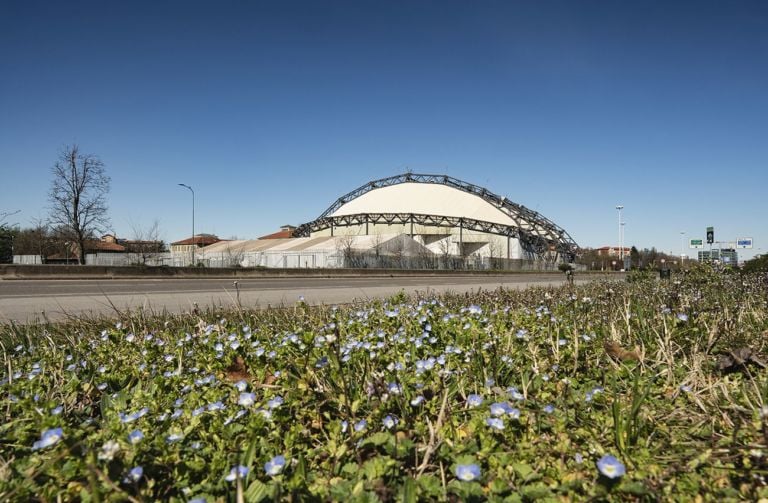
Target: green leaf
pixel 257 491
pixel 409 493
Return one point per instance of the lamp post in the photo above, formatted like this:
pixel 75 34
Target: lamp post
pixel 682 247
pixel 193 221
pixel 621 235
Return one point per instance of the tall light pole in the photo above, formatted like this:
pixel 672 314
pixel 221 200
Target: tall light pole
pixel 193 221
pixel 621 235
pixel 682 247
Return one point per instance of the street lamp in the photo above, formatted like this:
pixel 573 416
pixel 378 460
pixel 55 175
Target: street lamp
pixel 621 234
pixel 682 247
pixel 193 221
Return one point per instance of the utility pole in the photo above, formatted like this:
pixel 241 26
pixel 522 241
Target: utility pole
pixel 194 243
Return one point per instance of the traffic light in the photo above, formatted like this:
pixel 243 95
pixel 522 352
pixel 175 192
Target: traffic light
pixel 710 235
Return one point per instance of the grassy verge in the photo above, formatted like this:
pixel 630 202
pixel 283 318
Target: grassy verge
pixel 622 391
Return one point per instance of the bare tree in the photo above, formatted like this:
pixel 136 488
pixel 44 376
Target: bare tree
pixel 494 254
pixel 78 196
pixel 344 246
pixel 146 242
pixel 233 255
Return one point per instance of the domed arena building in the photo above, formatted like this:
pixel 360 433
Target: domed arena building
pixel 448 217
pixel 411 221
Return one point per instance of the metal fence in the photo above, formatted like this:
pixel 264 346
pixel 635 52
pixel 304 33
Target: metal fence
pixel 309 260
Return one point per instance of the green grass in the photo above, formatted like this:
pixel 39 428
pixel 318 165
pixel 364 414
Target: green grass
pixel 678 425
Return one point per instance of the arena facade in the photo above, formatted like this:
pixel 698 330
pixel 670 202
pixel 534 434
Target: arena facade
pixel 448 217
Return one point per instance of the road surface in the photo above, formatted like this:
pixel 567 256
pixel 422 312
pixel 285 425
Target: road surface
pixel 30 300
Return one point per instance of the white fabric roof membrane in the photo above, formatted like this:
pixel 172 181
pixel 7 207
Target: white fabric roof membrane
pixel 427 199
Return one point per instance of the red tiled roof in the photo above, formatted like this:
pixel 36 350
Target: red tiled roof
pixel 285 233
pixel 201 240
pixel 103 246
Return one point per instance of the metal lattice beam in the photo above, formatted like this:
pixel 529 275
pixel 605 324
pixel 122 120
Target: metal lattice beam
pixel 537 235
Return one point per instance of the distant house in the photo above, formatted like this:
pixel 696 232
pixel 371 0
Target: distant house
pixel 286 231
pixel 613 251
pixel 107 244
pixel 197 241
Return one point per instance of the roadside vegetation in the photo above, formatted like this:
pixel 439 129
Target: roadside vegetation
pixel 640 390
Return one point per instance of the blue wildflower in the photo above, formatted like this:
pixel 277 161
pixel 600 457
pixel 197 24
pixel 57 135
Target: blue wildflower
pixel 218 405
pixel 500 409
pixel 274 466
pixel 495 423
pixel 361 425
pixel 474 400
pixel 48 438
pixel 611 467
pixel 389 422
pixel 237 472
pixel 246 399
pixel 467 472
pixel 134 475
pixel 135 436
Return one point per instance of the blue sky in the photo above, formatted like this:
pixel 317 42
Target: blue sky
pixel 272 110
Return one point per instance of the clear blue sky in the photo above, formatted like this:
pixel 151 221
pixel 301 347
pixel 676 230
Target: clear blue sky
pixel 271 110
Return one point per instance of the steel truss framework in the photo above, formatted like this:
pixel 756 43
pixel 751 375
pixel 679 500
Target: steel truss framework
pixel 539 237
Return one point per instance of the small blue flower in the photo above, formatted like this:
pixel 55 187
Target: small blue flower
pixel 578 458
pixel 237 472
pixel 361 425
pixel 549 409
pixel 417 401
pixel 611 467
pixel 135 437
pixel 174 437
pixel 57 410
pixel 274 466
pixel 128 418
pixel 495 423
pixel 682 317
pixel 591 394
pixel 500 408
pixel 474 309
pixel 389 422
pixel 474 400
pixel 246 399
pixel 467 472
pixel 48 438
pixel 275 402
pixel 216 406
pixel 241 385
pixel 134 475
pixel 685 388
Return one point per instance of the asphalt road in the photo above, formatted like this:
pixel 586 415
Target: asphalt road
pixel 31 300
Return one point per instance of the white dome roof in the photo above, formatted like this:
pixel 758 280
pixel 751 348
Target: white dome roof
pixel 425 199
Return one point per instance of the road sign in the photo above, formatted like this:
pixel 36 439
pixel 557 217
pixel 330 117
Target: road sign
pixel 696 243
pixel 710 235
pixel 743 242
